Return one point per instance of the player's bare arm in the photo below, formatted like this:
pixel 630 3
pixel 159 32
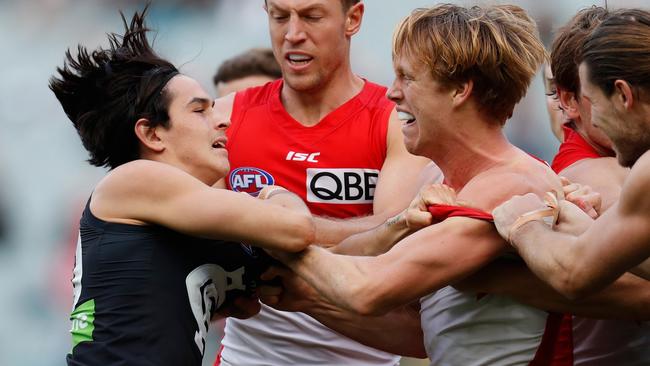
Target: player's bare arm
pixel 398 331
pixel 413 218
pixel 397 184
pixel 627 298
pixel 183 203
pixel 580 265
pixel 429 259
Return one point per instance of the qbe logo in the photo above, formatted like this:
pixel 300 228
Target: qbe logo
pixel 250 180
pixel 341 186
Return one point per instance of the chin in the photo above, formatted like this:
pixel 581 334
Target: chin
pixel 302 83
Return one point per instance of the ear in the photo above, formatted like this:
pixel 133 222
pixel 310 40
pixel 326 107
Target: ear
pixel 462 92
pixel 568 103
pixel 623 94
pixel 148 135
pixel 353 19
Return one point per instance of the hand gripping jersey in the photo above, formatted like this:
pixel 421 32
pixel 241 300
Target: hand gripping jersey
pixel 601 342
pixel 334 167
pixel 144 295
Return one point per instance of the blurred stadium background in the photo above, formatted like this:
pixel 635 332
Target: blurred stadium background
pixel 44 179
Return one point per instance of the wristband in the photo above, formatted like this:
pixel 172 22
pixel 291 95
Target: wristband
pixel 548 215
pixel 275 190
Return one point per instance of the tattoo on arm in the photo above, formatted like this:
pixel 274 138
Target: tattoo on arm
pixel 393 220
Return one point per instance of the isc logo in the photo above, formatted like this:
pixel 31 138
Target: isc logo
pixel 341 186
pixel 296 156
pixel 250 180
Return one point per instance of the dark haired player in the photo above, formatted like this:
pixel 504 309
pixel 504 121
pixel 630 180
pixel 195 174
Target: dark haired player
pixel 154 262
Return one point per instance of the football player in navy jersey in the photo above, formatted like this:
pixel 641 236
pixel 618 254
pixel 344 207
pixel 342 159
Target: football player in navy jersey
pixel 159 250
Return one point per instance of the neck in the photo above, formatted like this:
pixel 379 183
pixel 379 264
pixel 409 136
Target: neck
pixel 311 106
pixel 471 151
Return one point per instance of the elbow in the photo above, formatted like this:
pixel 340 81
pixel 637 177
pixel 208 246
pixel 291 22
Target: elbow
pixel 302 234
pixel 573 287
pixel 368 304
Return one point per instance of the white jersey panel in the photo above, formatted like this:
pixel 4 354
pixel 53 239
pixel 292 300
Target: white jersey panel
pixel 468 329
pixel 283 338
pixel 77 273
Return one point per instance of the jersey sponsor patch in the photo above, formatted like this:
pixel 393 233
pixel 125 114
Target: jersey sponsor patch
pixel 341 186
pixel 83 323
pixel 250 180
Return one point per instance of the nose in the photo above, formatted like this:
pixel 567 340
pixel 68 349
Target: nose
pixel 221 113
pixel 395 92
pixel 222 124
pixel 295 32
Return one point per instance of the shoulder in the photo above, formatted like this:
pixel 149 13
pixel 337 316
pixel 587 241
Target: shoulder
pixel 140 178
pixel 129 188
pixel 493 187
pixel 596 171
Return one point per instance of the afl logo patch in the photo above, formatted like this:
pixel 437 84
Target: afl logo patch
pixel 250 180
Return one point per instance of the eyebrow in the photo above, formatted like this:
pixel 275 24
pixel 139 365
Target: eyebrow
pixel 200 100
pixel 309 7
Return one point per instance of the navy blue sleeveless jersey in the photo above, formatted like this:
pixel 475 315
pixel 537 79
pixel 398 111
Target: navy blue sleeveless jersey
pixel 144 295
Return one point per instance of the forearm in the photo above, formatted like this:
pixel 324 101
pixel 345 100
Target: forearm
pixel 564 261
pixel 337 278
pixel 285 198
pixel 332 231
pixel 397 332
pixel 376 241
pixel 627 298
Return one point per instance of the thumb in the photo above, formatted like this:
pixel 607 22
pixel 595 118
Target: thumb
pixel 565 181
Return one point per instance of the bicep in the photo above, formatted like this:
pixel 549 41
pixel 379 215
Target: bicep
pixel 614 243
pixel 182 203
pixel 399 177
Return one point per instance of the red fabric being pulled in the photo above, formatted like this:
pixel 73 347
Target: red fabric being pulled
pixel 442 212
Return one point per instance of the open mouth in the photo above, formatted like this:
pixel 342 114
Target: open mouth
pixel 219 143
pixel 297 59
pixel 405 117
